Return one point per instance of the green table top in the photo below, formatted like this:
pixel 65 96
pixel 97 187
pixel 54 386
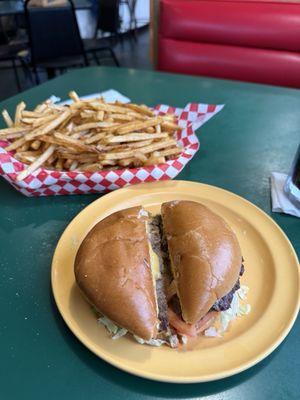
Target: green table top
pixel 256 133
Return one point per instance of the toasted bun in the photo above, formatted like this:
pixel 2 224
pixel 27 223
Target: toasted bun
pixel 112 268
pixel 205 256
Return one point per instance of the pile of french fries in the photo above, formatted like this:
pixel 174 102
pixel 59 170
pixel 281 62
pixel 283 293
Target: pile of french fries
pixel 89 135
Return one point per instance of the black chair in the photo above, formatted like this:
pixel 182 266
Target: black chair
pixel 11 49
pixel 55 40
pixel 9 53
pixel 108 18
pixel 131 5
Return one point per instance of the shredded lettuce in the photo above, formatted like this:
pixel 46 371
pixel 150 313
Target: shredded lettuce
pixel 184 339
pixel 173 340
pixel 237 308
pixel 211 332
pixel 121 332
pixel 143 213
pixel 243 291
pixel 112 328
pixel 151 342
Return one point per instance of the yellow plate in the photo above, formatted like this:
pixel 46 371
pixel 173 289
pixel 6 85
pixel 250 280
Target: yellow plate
pixel 271 272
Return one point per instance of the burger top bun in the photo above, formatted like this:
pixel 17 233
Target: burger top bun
pixel 112 269
pixel 205 256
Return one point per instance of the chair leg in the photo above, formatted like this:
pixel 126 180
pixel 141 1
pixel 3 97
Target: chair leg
pixel 16 74
pixel 26 70
pixel 113 56
pixel 96 59
pixel 36 75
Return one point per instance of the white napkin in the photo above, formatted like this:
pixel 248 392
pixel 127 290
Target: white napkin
pixel 280 201
pixel 110 96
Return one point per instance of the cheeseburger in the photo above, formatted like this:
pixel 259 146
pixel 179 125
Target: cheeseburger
pixel 162 278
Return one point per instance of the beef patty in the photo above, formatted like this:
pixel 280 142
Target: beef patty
pixel 160 247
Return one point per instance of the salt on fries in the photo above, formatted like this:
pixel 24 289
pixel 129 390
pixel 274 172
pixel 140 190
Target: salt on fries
pixel 89 135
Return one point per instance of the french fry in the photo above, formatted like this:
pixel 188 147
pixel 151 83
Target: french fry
pixel 69 127
pixel 99 116
pixel 169 152
pixel 108 107
pixel 87 114
pixel 144 150
pixel 31 114
pixel 170 127
pixel 9 122
pixel 68 164
pixel 35 144
pixel 24 147
pixel 121 117
pixel 29 153
pixel 64 139
pixel 137 126
pixel 140 109
pixel 139 117
pixel 136 137
pixel 18 115
pixel 99 99
pixel 14 129
pixel 36 164
pixel 59 164
pixel 74 165
pixel 150 129
pixel 74 96
pixel 140 156
pixel 155 160
pixel 107 162
pixel 95 138
pixel 127 161
pixel 28 120
pixel 42 120
pixel 10 136
pixel 92 125
pixel 135 145
pixel 17 143
pixel 25 159
pixel 91 167
pixel 77 135
pixel 51 159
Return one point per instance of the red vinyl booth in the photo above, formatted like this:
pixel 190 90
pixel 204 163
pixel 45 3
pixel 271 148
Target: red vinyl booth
pixel 255 41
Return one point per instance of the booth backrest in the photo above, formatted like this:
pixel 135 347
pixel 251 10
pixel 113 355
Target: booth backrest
pixel 243 40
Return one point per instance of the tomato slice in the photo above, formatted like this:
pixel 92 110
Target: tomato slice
pixel 181 327
pixel 192 330
pixel 206 321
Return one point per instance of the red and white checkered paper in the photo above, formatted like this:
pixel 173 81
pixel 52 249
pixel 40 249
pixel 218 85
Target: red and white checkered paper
pixel 45 182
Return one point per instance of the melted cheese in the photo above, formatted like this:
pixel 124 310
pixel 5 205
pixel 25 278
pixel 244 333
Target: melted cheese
pixel 154 261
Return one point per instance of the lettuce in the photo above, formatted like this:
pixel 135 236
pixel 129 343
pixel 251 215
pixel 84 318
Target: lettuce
pixel 184 339
pixel 211 332
pixel 112 328
pixel 151 342
pixel 237 308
